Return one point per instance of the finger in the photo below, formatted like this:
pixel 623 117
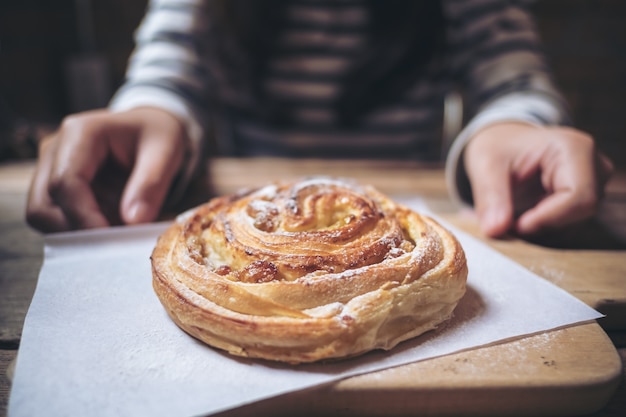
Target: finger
pixel 491 190
pixel 78 158
pixel 41 212
pixel 75 198
pixel 556 210
pixel 573 181
pixel 159 158
pixel 605 168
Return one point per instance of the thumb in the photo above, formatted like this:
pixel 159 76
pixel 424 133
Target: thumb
pixel 491 191
pixel 159 158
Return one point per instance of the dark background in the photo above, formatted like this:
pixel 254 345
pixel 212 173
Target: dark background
pixel 585 41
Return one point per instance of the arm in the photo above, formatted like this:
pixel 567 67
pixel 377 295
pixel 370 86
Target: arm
pixel 518 115
pixel 167 71
pixel 116 165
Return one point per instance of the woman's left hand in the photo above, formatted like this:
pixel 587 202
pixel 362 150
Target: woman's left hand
pixel 528 179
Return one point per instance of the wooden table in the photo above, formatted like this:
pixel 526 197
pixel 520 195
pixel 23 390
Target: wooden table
pixel 571 371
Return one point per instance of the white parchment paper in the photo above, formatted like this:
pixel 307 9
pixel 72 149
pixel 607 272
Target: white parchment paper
pixel 97 342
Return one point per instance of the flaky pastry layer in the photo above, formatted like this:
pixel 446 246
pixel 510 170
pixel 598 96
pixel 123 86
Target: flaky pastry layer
pixel 308 270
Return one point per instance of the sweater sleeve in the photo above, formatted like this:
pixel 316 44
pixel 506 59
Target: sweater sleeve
pixel 497 58
pixel 166 71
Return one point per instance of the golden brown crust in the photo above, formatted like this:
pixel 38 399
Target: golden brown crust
pixel 307 270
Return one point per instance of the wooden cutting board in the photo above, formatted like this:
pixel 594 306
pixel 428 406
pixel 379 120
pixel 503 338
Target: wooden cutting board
pixel 567 372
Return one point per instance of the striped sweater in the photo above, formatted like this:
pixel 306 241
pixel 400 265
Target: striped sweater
pixel 492 55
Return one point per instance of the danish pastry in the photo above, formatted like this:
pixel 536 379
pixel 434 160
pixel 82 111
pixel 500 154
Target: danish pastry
pixel 307 270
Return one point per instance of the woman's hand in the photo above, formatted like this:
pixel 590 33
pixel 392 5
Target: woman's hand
pixel 528 179
pixel 102 168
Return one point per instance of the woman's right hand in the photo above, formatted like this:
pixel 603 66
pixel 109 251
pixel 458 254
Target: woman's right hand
pixel 102 168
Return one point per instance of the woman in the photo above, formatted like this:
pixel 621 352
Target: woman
pixel 328 78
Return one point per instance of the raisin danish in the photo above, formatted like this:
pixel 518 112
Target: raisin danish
pixel 311 269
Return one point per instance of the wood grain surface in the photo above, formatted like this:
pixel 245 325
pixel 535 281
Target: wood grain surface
pixel 572 371
pixel 533 376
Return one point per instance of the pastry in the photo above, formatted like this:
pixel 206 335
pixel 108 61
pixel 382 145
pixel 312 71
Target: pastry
pixel 307 270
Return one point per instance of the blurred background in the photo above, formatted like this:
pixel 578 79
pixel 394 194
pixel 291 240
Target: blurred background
pixel 62 56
